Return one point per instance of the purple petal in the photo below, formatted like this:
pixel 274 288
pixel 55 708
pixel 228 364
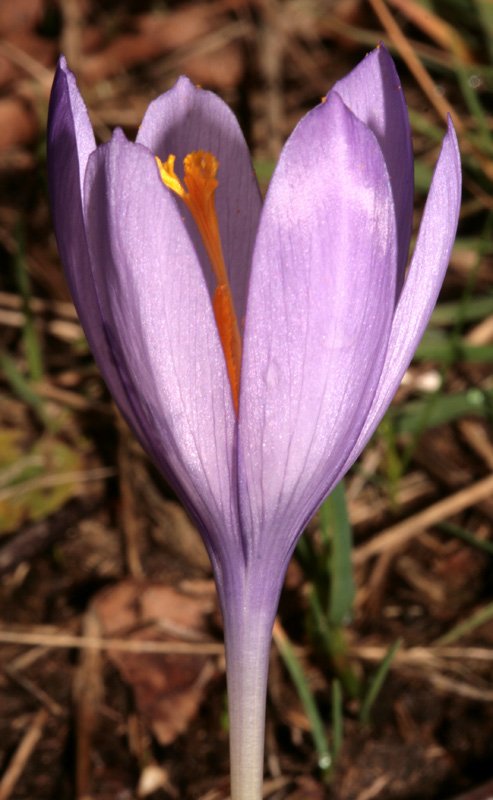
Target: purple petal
pixel 318 319
pixel 159 321
pixel 69 126
pixel 186 119
pixel 423 283
pixel 373 92
pixel 70 143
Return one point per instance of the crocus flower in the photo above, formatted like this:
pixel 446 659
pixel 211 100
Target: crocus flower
pixel 252 347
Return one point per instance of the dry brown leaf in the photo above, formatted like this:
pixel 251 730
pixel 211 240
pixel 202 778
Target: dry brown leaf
pixel 18 124
pixel 154 35
pixel 387 768
pixel 222 69
pixel 178 28
pixel 168 688
pixel 21 15
pixel 175 533
pixel 24 54
pixel 307 789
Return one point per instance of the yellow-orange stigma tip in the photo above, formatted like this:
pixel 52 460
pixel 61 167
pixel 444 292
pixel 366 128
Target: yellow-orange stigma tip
pixel 169 176
pixel 201 164
pixel 200 174
pixel 200 170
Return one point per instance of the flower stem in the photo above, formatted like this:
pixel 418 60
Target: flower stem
pixel 247 637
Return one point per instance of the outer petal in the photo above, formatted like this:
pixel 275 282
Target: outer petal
pixel 69 128
pixel 70 143
pixel 318 318
pixel 423 283
pixel 373 92
pixel 159 321
pixel 187 119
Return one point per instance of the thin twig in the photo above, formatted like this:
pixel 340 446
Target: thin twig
pixel 57 479
pixel 423 655
pixel 30 639
pixel 23 754
pixel 415 66
pixel 398 535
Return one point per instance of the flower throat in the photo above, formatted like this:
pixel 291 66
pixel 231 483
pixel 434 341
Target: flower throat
pixel 200 170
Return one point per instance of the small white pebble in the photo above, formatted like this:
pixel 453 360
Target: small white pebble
pixel 151 779
pixel 426 382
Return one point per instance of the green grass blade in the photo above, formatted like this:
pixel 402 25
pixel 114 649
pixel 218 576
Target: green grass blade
pixel 32 344
pixel 484 10
pixel 334 643
pixel 21 387
pixel 305 694
pixel 466 536
pixel 335 524
pixel 337 718
pixel 476 309
pixel 435 347
pixel 474 105
pixel 377 682
pixel 418 415
pixel 477 619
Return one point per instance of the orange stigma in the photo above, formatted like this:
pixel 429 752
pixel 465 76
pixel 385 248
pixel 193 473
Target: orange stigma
pixel 200 170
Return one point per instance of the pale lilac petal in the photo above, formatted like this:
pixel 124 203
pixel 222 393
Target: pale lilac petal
pixel 69 124
pixel 159 321
pixel 70 142
pixel 374 93
pixel 318 318
pixel 186 119
pixel 423 283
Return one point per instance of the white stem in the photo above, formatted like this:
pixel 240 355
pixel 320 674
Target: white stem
pixel 248 636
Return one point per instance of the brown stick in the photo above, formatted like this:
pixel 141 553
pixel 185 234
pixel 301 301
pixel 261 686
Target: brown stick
pixel 414 64
pixel 23 754
pixel 44 639
pixel 398 535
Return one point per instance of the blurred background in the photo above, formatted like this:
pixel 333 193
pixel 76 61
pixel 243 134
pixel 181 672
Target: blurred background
pixel 381 680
